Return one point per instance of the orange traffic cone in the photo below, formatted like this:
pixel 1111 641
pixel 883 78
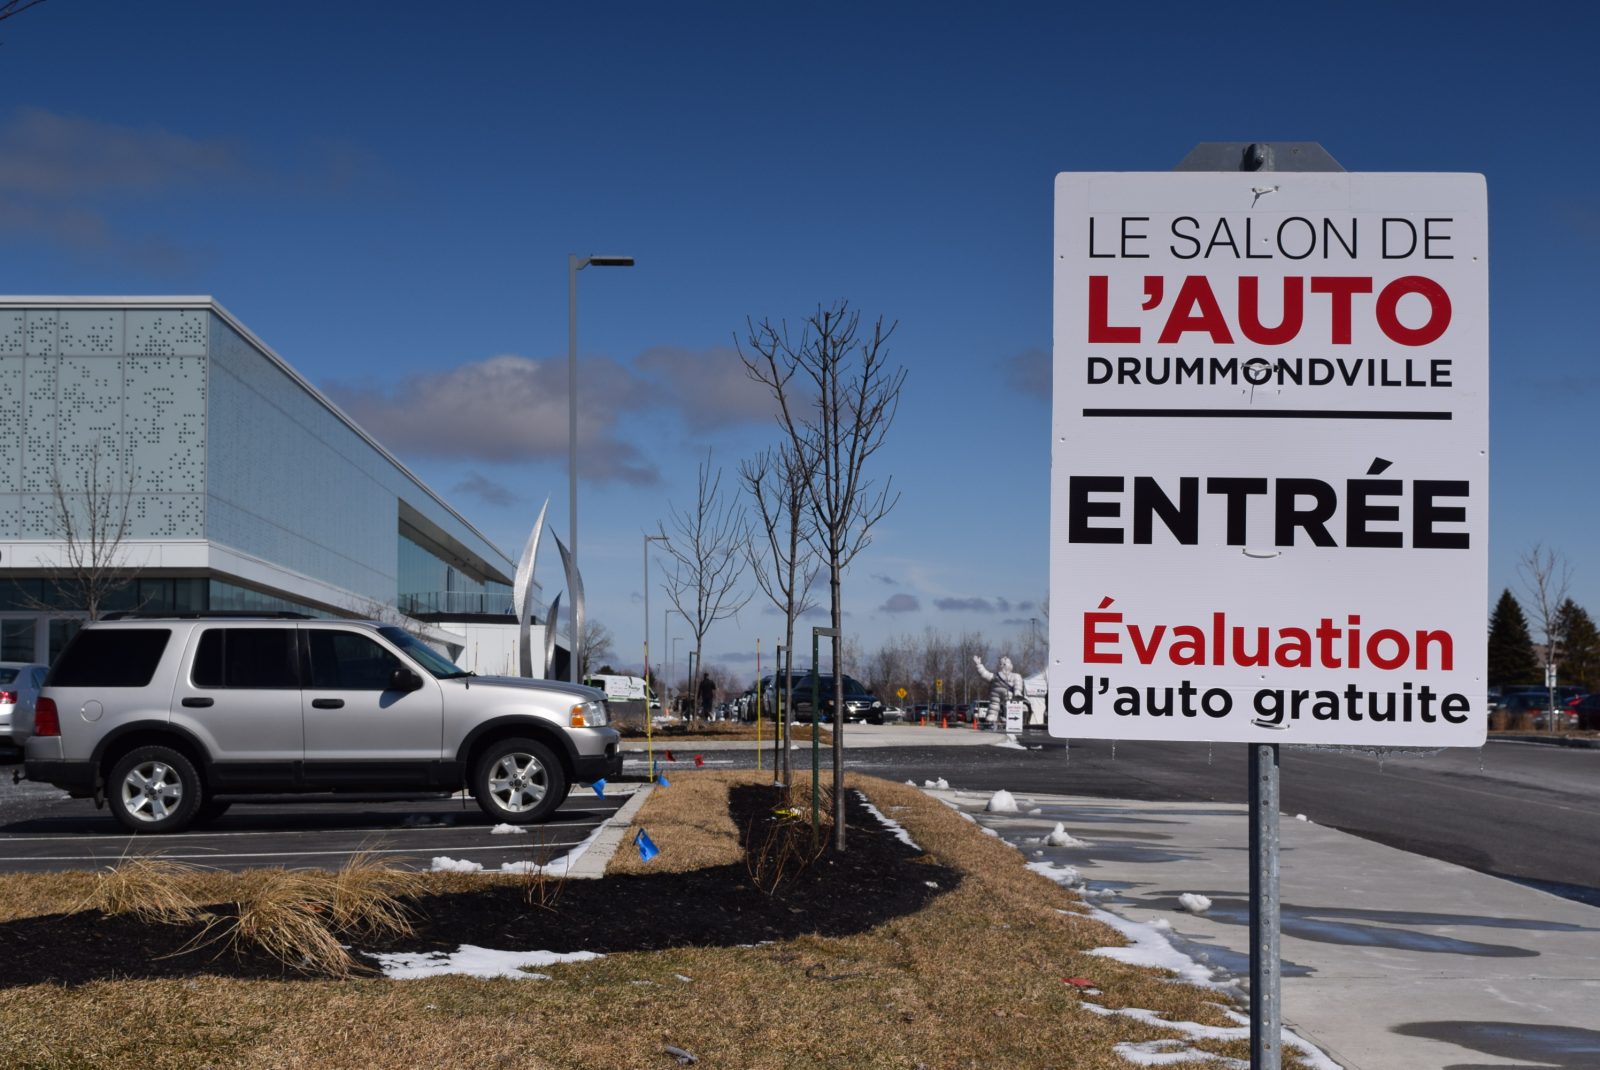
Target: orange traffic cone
pixel 944 722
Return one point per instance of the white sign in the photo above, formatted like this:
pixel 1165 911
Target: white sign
pixel 1015 709
pixel 1269 477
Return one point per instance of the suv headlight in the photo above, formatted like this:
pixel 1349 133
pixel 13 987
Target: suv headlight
pixel 589 715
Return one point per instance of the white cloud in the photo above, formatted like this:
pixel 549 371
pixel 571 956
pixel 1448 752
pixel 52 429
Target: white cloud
pixel 507 408
pixel 708 386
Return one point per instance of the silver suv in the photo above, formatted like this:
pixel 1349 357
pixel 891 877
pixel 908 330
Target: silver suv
pixel 166 718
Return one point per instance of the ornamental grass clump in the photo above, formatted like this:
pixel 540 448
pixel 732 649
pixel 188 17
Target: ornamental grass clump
pixel 151 888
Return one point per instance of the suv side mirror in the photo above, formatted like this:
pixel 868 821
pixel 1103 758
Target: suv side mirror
pixel 404 680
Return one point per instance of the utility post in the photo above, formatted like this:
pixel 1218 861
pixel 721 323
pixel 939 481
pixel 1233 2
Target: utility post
pixel 816 719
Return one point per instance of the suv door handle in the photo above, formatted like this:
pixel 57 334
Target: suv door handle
pixel 327 703
pixel 198 703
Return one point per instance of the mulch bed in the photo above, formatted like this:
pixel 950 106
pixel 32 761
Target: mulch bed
pixel 877 878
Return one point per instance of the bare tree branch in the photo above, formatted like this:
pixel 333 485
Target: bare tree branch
pixel 785 567
pixel 837 397
pixel 1546 576
pixel 708 555
pixel 12 8
pixel 92 519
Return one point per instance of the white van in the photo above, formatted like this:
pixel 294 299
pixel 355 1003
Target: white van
pixel 619 688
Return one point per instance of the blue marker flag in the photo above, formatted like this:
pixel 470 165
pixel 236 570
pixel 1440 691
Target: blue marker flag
pixel 663 781
pixel 599 787
pixel 647 846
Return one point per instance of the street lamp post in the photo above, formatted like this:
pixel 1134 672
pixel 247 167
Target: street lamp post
pixel 648 539
pixel 673 671
pixel 575 265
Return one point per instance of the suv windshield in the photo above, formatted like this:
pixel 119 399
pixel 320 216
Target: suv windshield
pixel 436 663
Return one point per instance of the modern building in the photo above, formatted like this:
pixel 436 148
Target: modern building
pixel 160 438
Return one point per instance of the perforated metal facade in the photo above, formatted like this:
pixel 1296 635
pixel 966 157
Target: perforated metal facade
pixel 232 466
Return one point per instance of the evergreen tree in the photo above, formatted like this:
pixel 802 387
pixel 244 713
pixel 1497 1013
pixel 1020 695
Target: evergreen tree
pixel 1580 646
pixel 1511 657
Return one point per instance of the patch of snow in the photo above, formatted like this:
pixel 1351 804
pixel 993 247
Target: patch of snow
pixel 506 830
pixel 1312 1055
pixel 1161 925
pixel 1001 802
pixel 1193 903
pixel 1302 817
pixel 1060 837
pixel 684 979
pixel 892 825
pixel 1066 876
pixel 441 864
pixel 941 784
pixel 988 831
pixel 1171 1053
pixel 1034 811
pixel 1149 946
pixel 474 962
pixel 1009 743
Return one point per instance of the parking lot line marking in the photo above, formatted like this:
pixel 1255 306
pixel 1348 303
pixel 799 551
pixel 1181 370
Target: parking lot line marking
pixel 266 854
pixel 242 833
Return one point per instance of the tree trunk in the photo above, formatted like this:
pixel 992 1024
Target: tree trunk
pixel 838 712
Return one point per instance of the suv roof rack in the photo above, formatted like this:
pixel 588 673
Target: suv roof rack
pixel 210 614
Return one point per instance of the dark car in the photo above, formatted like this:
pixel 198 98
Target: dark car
pixel 1587 712
pixel 860 704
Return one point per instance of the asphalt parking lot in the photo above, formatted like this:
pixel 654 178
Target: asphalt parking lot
pixel 42 830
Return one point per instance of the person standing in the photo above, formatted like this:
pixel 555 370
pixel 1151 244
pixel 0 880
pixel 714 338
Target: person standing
pixel 708 695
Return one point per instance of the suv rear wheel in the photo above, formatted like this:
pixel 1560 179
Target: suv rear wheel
pixel 519 781
pixel 154 789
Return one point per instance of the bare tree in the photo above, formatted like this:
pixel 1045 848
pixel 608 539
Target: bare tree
pixel 93 520
pixel 708 559
pixel 12 8
pixel 1546 576
pixel 598 646
pixel 784 562
pixel 837 398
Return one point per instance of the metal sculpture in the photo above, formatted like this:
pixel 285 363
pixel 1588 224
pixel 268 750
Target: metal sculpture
pixel 522 598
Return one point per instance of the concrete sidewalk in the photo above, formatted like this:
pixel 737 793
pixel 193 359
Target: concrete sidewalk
pixel 1390 961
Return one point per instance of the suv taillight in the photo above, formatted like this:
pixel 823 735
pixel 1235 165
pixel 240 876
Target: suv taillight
pixel 8 698
pixel 46 722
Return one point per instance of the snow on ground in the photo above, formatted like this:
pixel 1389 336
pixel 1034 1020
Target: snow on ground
pixel 507 830
pixel 557 867
pixel 893 826
pixel 941 784
pixel 1001 802
pixel 1010 743
pixel 1148 945
pixel 475 962
pixel 1194 903
pixel 1060 837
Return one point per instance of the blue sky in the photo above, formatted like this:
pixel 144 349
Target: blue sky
pixel 387 194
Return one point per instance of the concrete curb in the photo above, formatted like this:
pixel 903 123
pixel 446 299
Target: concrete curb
pixel 592 863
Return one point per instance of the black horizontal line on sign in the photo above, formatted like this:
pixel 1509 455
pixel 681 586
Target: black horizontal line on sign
pixel 1273 414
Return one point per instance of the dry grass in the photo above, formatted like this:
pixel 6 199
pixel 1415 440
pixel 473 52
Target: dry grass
pixel 973 981
pixel 151 888
pixel 722 731
pixel 287 914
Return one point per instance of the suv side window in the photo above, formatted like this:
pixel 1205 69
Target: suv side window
pixel 258 658
pixel 350 661
pixel 110 657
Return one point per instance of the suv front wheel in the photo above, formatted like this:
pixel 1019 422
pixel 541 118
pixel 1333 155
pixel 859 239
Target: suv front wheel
pixel 154 789
pixel 519 781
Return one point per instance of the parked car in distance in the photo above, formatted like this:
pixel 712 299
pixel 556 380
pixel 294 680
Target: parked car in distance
pixel 859 703
pixel 19 689
pixel 1586 712
pixel 167 718
pixel 894 715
